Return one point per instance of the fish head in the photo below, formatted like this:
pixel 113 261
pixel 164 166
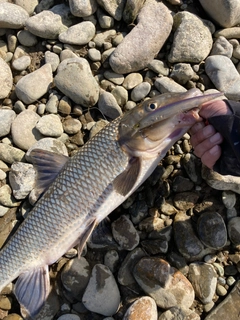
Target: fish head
pixel 151 128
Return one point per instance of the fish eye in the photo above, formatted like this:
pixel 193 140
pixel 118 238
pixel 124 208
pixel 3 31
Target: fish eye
pixel 151 106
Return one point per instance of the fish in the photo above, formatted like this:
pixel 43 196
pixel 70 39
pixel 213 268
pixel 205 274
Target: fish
pixel 76 193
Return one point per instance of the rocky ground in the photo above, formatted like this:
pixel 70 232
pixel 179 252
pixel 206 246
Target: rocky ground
pixel 69 67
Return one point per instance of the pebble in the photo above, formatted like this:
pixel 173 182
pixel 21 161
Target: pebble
pixel 142 309
pixel 108 105
pixel 6 79
pixel 69 316
pixel 75 276
pixel 22 179
pixel 105 21
pixel 229 199
pixel 6 197
pixel 52 104
pixel 82 8
pixel 24 132
pixel 46 24
pixel 12 16
pixel 131 10
pixel 203 278
pixel 165 84
pixel 82 86
pixel 140 91
pixel 234 230
pixel 171 288
pixel 182 73
pixel 49 144
pixel 10 154
pixel 53 59
pixel 35 84
pixel 72 126
pixel 94 54
pixel 222 47
pixel 102 294
pixel 6 118
pixel 114 77
pixel 111 260
pixel 121 95
pixel 124 233
pixel 212 230
pixel 21 63
pixel 192 38
pixel 79 34
pixel 129 56
pixel 224 12
pixel 132 80
pixel 50 125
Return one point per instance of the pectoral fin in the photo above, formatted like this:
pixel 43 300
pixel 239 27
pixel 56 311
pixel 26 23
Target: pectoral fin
pixel 85 236
pixel 126 180
pixel 48 165
pixel 32 290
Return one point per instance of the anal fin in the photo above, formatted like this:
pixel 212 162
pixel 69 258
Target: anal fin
pixel 126 180
pixel 31 290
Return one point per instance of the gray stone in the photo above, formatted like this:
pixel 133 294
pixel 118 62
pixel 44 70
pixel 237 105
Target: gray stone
pixel 10 154
pixel 171 287
pixel 222 47
pixel 103 37
pixel 108 105
pixel 234 230
pixel 228 33
pixel 81 8
pixel 192 38
pixel 144 307
pixel 53 59
pixel 182 73
pixel 69 316
pixel 131 10
pixel 203 278
pixel 229 199
pixel 6 118
pixel 102 294
pixel 140 91
pixel 104 20
pixel 52 104
pixel 159 67
pixel 153 20
pixel 114 77
pixel 224 75
pixel 21 63
pixel 22 178
pixel 224 12
pixel 6 79
pixel 72 126
pixel 74 78
pixel 165 84
pixel 12 16
pixel 79 34
pixel 114 8
pixel 121 95
pixel 34 85
pixel 50 125
pixel 132 80
pixel 29 5
pixel 177 313
pixel 49 144
pixel 94 54
pixel 46 24
pixel 24 133
pixel 111 260
pixel 124 233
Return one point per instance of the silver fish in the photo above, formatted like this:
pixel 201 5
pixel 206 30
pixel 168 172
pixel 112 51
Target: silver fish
pixel 80 191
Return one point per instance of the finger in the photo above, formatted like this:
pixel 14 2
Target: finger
pixel 196 127
pixel 201 135
pixel 201 148
pixel 214 108
pixel 210 157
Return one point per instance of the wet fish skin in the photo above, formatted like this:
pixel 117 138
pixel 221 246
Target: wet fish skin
pixel 89 186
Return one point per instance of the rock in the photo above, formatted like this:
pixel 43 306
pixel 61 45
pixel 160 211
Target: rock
pixel 192 38
pixel 79 34
pixel 229 199
pixel 212 230
pixel 108 105
pixel 165 84
pixel 49 144
pixel 22 179
pixel 228 33
pixel 24 132
pixel 224 75
pixel 6 79
pixel 111 260
pixel 94 54
pixel 222 47
pixel 101 295
pixel 72 126
pixel 29 6
pixel 154 19
pixel 75 276
pixel 185 238
pixel 53 59
pixel 234 230
pixel 185 200
pixel 6 198
pixel 50 125
pixel 12 16
pixel 203 278
pixel 74 78
pixel 159 67
pixel 179 314
pixel 69 316
pixel 124 233
pixel 182 73
pixel 132 80
pixel 52 104
pixel 142 309
pixel 228 308
pixel 104 20
pixel 171 288
pixel 21 63
pixel 6 118
pixel 121 95
pixel 114 8
pixel 81 8
pixel 46 24
pixel 140 91
pixel 224 12
pixel 131 10
pixel 34 85
pixel 114 77
pixel 104 37
pixel 10 154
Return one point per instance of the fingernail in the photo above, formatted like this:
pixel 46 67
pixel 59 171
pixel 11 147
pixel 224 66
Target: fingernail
pixel 208 131
pixel 214 150
pixel 216 138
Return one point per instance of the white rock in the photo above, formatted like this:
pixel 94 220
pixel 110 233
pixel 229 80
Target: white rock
pixel 84 8
pixel 21 63
pixel 12 16
pixel 53 59
pixel 6 79
pixel 6 118
pixel 34 85
pixel 29 5
pixel 50 125
pixel 79 34
pixel 74 78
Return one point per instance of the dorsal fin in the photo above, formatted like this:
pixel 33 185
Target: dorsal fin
pixel 48 165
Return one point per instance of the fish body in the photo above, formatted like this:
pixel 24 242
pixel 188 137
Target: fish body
pixel 89 186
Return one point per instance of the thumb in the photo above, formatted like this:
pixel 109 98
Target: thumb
pixel 214 108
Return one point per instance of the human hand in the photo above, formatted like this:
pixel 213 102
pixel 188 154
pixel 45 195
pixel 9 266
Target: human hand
pixel 204 138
